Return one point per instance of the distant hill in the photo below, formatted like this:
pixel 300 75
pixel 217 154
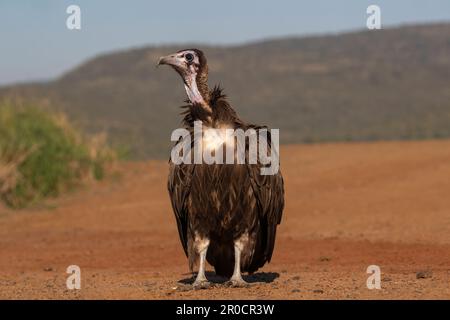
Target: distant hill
pixel 368 85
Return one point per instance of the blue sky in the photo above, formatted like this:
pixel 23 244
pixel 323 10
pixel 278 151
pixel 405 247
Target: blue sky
pixel 35 43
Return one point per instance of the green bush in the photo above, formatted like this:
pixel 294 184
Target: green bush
pixel 42 155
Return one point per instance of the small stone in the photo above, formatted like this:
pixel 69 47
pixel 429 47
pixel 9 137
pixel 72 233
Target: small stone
pixel 424 274
pixel 318 291
pixel 295 278
pixel 324 259
pixel 295 290
pixel 48 269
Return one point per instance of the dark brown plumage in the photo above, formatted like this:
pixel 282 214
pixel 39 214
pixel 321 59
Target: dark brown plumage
pixel 229 208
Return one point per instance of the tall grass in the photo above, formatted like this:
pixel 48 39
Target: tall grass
pixel 42 155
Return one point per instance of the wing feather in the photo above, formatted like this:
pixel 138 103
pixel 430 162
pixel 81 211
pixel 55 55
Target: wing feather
pixel 179 185
pixel 269 192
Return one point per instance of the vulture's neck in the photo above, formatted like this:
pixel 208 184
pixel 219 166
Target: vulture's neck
pixel 197 91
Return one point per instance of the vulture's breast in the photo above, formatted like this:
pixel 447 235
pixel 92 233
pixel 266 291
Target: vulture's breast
pixel 222 199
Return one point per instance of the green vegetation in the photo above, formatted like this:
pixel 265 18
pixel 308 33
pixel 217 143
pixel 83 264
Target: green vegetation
pixel 42 155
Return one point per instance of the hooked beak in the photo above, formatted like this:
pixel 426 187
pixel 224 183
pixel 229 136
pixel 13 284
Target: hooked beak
pixel 171 60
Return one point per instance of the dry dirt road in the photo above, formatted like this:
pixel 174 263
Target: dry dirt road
pixel 348 206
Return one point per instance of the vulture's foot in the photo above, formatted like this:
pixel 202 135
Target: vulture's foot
pixel 201 284
pixel 237 283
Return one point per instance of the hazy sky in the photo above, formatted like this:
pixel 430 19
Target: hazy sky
pixel 36 44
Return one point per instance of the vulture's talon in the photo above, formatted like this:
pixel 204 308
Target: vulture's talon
pixel 203 284
pixel 237 283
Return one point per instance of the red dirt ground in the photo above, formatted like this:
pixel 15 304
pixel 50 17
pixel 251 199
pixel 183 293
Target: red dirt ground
pixel 348 206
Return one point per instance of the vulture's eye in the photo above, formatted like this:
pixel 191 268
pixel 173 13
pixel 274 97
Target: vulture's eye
pixel 189 57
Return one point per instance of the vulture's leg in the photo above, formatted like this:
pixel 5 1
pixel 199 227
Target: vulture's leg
pixel 236 279
pixel 201 247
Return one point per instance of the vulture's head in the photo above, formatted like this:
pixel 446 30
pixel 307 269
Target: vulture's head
pixel 192 67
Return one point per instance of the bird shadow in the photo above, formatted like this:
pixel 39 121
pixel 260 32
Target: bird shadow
pixel 259 277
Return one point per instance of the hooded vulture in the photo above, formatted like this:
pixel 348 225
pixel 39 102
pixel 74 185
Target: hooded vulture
pixel 226 214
